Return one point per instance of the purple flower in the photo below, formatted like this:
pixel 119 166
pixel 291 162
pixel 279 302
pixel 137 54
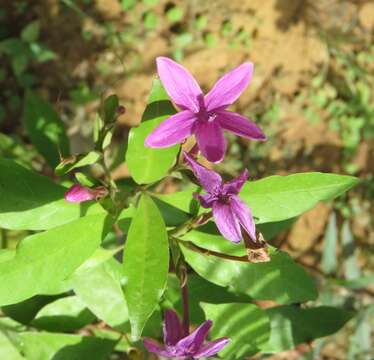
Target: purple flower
pixel 203 116
pixel 181 346
pixel 78 193
pixel 231 214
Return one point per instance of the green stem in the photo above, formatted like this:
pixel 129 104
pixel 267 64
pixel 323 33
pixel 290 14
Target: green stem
pixel 191 224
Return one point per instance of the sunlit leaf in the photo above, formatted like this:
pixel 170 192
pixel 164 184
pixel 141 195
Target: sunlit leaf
pixel 147 165
pixel 49 257
pixel 34 202
pixel 146 263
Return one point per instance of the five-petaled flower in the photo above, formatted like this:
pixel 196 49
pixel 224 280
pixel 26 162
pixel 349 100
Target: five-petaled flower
pixel 230 213
pixel 184 346
pixel 203 116
pixel 78 193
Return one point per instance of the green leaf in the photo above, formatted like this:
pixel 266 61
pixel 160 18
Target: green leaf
pixel 26 310
pixel 50 257
pixel 277 198
pixel 147 165
pixel 100 289
pixel 280 280
pixel 199 291
pixel 45 129
pixel 291 325
pixel 65 314
pixel 247 326
pixel 329 262
pixel 8 350
pixel 146 264
pixel 30 32
pixel 78 161
pixel 46 346
pixel 182 200
pixel 33 202
pixel 110 107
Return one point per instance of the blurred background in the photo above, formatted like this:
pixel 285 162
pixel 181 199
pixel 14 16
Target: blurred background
pixel 312 93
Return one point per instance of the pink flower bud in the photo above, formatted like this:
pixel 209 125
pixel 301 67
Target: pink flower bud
pixel 78 193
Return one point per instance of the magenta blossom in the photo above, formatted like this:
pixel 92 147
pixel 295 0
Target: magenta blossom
pixel 231 214
pixel 78 193
pixel 203 116
pixel 177 345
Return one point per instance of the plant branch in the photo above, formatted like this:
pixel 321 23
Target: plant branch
pixel 207 252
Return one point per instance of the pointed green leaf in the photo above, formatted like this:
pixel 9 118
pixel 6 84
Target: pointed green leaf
pixel 81 160
pixel 247 326
pixel 100 289
pixel 146 263
pixel 43 260
pixel 110 107
pixel 34 202
pixel 147 165
pixel 280 280
pixel 65 314
pixel 277 198
pixel 45 129
pixel 47 346
pixel 292 325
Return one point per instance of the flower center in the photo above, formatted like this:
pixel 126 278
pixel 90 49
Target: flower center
pixel 206 116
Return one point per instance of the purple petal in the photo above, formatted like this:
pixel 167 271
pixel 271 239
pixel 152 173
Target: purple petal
pixel 179 84
pixel 208 179
pixel 173 330
pixel 229 87
pixel 206 200
pixel 211 348
pixel 234 186
pixel 243 213
pixel 210 139
pixel 227 223
pixel 78 193
pixel 192 343
pixel 154 347
pixel 240 125
pixel 173 130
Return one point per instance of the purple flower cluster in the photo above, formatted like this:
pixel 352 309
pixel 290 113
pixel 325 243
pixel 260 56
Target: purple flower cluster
pixel 184 346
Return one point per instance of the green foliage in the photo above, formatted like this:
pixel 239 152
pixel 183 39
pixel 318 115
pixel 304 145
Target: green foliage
pixel 110 107
pixel 34 202
pixel 294 325
pixel 100 290
pixel 63 315
pixel 278 198
pixel 46 346
pixel 45 129
pixel 247 324
pixel 280 280
pixel 148 165
pixel 146 263
pixel 78 161
pixel 50 257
